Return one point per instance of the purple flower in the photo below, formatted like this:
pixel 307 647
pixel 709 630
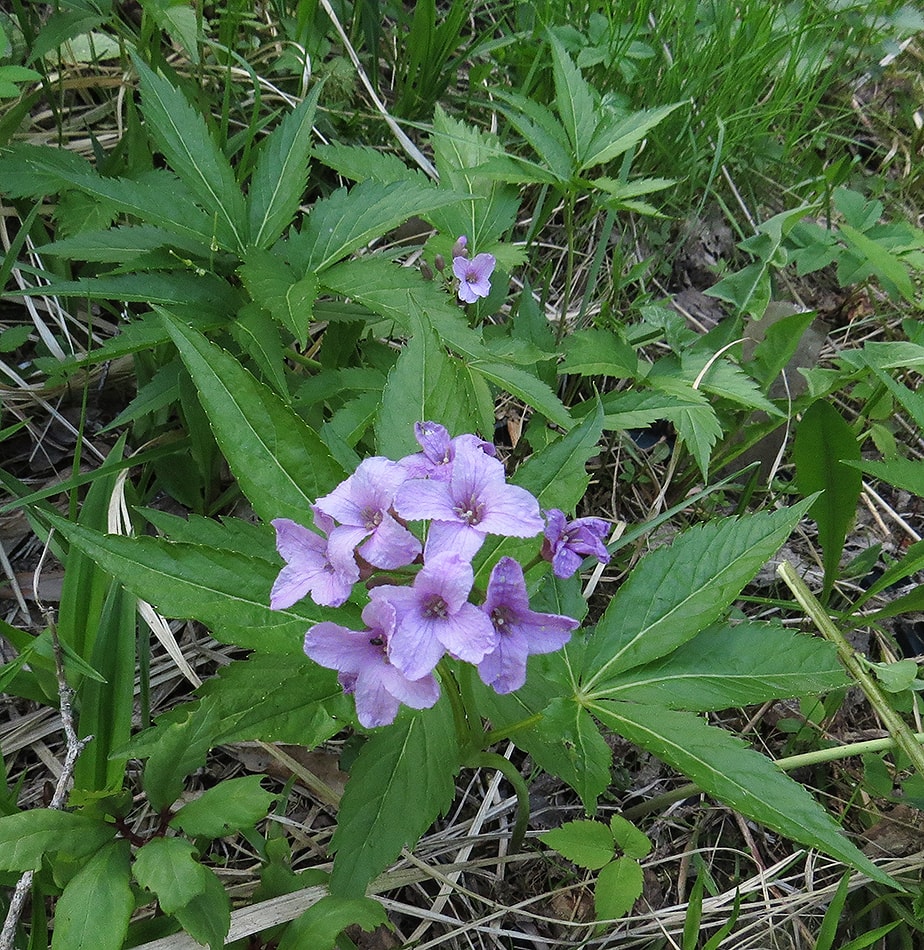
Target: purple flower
pixel 315 566
pixel 435 461
pixel 361 657
pixel 475 502
pixel 520 631
pixel 474 276
pixel 361 504
pixel 567 543
pixel 433 616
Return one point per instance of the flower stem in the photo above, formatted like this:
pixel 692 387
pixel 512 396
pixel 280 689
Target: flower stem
pixel 493 760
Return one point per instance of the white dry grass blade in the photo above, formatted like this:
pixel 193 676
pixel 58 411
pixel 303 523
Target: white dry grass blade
pixel 119 522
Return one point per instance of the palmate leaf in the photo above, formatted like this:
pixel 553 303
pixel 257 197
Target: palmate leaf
pixel 400 782
pixel 181 134
pixel 95 907
pixel 348 220
pixel 615 135
pixel 733 665
pixel 722 766
pixel 225 590
pixel 279 461
pixel 676 591
pixel 281 173
pixel 544 133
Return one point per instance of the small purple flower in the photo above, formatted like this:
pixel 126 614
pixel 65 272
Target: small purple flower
pixel 314 565
pixel 567 543
pixel 474 276
pixel 435 461
pixel 362 505
pixel 433 616
pixel 520 631
pixel 361 657
pixel 475 502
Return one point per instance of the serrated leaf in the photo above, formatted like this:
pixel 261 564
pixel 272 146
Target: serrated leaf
pixel 524 385
pixel 97 903
pixel 722 766
pixel 28 836
pixel 258 336
pixel 901 472
pixel 274 285
pixel 614 137
pixel 170 869
pixel 674 592
pixel 589 844
pixel 225 590
pixel 573 100
pixel 359 162
pixel 619 885
pixel 892 272
pixel 279 461
pixel 181 134
pixel 733 665
pixel 230 806
pixel 544 133
pixel 400 782
pixel 597 352
pixel 122 244
pixel 319 926
pixel 207 916
pixel 824 440
pixel 281 173
pixel 629 839
pixel 747 289
pixel 348 220
pixel 424 384
pixel 699 429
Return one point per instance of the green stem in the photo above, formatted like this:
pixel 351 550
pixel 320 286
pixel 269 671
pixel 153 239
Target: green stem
pixel 899 730
pixel 569 268
pixel 448 680
pixel 493 760
pixel 498 735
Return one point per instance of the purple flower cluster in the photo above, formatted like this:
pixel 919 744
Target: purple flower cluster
pixel 458 487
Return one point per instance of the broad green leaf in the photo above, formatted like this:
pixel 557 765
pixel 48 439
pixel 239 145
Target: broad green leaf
pixel 280 463
pixel 274 285
pixel 748 289
pixel 225 590
pixel 281 173
pixel 615 136
pixel 728 380
pixel 588 844
pixel 182 749
pixel 425 384
pixel 95 907
pixel 179 21
pixel 574 101
pixel 170 869
pixel 207 916
pixel 596 352
pixel 619 885
pixel 28 836
pixel 913 402
pixel 824 441
pixel 230 806
pixel 892 272
pixel 277 699
pixel 181 134
pixel 674 592
pixel 319 926
pixel 348 220
pixel 34 171
pixel 635 409
pixel 781 340
pixel 730 665
pixel 724 767
pixel 400 782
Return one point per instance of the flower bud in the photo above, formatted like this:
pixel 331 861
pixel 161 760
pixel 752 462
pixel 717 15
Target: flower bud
pixel 439 262
pixel 459 248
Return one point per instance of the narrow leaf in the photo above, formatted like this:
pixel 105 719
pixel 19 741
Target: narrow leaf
pixel 573 100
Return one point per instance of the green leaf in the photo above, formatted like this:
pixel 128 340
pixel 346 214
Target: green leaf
pixel 179 21
pixel 597 352
pixel 588 844
pixel 619 885
pixel 823 441
pixel 319 926
pixel 280 463
pixel 28 836
pixel 676 591
pixel 182 749
pixel 896 677
pixel 573 99
pixel 891 271
pixel 629 839
pixel 95 907
pixel 545 134
pixel 900 472
pixel 274 285
pixel 425 384
pixel 348 220
pixel 359 162
pixel 259 337
pixel 748 289
pixel 730 665
pixel 170 869
pixel 614 137
pixel 231 806
pixel 123 244
pixel 207 916
pixel 281 173
pixel 400 782
pixel 524 385
pixel 722 766
pixel 181 134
